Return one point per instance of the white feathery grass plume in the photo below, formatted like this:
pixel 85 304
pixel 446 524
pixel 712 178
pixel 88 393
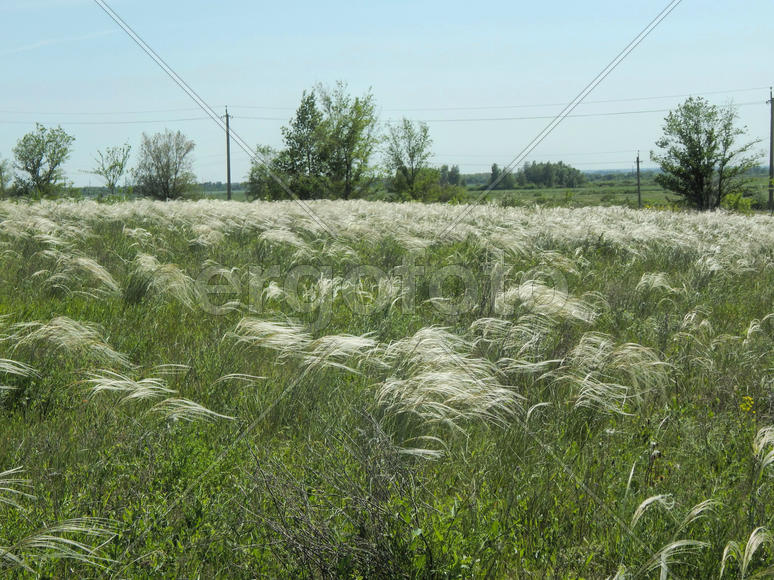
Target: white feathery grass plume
pixel 55 543
pixel 665 557
pixel 629 480
pixel 65 335
pixel 436 379
pixel 140 235
pixel 12 367
pixel 534 408
pixel 207 235
pixel 13 487
pixel 284 237
pixel 287 338
pixel 733 550
pixel 334 351
pixel 144 389
pixel 606 396
pixel 97 272
pixel 346 352
pixel 655 281
pixel 763 448
pixel 556 260
pixel 171 408
pixel 225 277
pixel 757 328
pixel 491 330
pixel 609 376
pixel 529 335
pixel 162 280
pixel 698 511
pixel 171 369
pixel 424 452
pixel 73 270
pixel 537 297
pixel 185 410
pixel 764 438
pixel 274 291
pixel 328 289
pixel 664 500
pixel 249 379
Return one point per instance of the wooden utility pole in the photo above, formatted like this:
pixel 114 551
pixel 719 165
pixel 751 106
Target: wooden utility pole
pixel 771 153
pixel 228 157
pixel 639 191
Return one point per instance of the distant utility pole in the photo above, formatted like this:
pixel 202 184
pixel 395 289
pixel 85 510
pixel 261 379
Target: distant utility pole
pixel 228 156
pixel 639 191
pixel 771 153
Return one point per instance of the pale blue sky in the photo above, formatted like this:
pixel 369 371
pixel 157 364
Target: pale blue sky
pixel 65 62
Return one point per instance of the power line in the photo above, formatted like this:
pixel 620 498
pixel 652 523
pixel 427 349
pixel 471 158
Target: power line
pixel 391 110
pixel 534 105
pixel 544 117
pixel 600 101
pixel 582 164
pixel 99 123
pixel 565 154
pixel 387 122
pixel 96 113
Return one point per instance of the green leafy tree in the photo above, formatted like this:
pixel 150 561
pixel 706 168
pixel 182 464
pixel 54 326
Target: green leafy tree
pixel 500 179
pixel 165 170
pixel 699 158
pixel 40 155
pixel 262 179
pixel 350 133
pixel 454 175
pixel 408 151
pixel 329 143
pixel 111 165
pixel 304 160
pixel 6 177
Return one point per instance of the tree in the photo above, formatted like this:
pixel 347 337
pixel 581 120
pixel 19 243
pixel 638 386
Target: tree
pixel 40 155
pixel 408 151
pixel 261 181
pixel 699 159
pixel 304 159
pixel 165 170
pixel 6 176
pixel 349 130
pixel 500 179
pixel 111 165
pixel 329 143
pixel 494 175
pixel 454 175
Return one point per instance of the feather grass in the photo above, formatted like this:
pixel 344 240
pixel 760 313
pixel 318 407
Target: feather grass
pixel 64 335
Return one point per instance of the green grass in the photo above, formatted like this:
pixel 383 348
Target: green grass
pixel 621 192
pixel 556 394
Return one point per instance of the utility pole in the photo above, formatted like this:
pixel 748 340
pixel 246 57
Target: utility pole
pixel 228 156
pixel 639 191
pixel 771 153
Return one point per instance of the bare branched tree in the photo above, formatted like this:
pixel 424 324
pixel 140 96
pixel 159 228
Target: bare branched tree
pixel 165 169
pixel 111 165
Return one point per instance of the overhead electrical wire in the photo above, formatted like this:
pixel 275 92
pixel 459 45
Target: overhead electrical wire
pixel 391 110
pixel 386 122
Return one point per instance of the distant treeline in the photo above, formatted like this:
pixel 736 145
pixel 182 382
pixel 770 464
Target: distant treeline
pixel 534 174
pixel 200 188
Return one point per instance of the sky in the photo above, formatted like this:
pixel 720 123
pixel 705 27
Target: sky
pixel 487 76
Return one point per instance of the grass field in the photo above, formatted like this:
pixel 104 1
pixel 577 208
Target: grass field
pixel 354 389
pixel 621 191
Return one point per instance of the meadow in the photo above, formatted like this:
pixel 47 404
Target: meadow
pixel 362 389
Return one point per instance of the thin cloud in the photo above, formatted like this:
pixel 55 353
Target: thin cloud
pixel 53 41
